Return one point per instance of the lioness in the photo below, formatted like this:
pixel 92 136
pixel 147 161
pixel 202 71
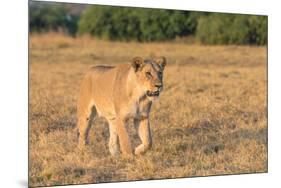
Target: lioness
pixel 118 93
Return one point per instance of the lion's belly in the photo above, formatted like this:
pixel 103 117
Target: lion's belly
pixel 105 109
pixel 104 105
pixel 102 94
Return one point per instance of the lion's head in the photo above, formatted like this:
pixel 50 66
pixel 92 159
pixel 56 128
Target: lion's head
pixel 149 73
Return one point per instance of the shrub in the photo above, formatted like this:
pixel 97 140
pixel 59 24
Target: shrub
pixel 117 23
pixel 232 29
pixel 51 17
pixel 258 32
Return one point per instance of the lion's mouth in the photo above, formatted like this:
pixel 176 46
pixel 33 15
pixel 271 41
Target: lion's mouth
pixel 152 93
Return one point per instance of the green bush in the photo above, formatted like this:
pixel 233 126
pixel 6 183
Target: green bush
pixel 232 29
pixel 117 23
pixel 258 32
pixel 51 17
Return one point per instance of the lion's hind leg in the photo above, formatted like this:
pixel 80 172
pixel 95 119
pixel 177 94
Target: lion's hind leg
pixel 84 124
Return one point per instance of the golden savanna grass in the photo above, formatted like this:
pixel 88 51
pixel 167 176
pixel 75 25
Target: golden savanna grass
pixel 211 117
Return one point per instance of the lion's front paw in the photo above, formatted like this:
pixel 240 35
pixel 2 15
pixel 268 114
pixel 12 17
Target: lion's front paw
pixel 114 152
pixel 141 149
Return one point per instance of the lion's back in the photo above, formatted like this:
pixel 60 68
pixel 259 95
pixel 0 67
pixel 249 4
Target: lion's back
pixel 102 68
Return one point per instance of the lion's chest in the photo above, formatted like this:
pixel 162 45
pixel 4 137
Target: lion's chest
pixel 138 109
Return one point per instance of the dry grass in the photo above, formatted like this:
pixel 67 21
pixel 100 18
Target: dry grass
pixel 211 117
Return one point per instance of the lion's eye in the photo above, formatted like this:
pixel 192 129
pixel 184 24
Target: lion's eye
pixel 148 74
pixel 160 74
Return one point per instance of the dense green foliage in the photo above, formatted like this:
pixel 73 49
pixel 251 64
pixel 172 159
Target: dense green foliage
pixel 51 18
pixel 232 29
pixel 140 24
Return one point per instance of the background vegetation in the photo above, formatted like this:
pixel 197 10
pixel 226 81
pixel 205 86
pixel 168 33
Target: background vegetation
pixel 145 25
pixel 44 17
pixel 218 28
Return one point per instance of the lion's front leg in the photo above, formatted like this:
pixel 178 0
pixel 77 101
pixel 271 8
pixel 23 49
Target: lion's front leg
pixel 145 136
pixel 113 139
pixel 123 136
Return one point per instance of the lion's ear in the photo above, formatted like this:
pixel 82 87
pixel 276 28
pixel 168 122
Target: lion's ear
pixel 161 61
pixel 137 63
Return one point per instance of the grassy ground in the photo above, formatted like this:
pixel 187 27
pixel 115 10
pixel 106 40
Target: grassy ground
pixel 211 117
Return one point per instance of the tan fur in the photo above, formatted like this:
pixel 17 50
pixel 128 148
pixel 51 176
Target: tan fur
pixel 119 93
